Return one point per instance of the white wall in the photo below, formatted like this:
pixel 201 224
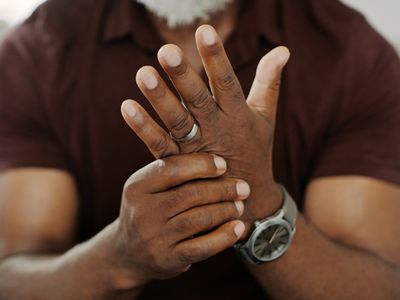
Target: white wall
pixel 384 15
pixel 13 11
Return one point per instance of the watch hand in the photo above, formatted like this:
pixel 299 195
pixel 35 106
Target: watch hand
pixel 273 236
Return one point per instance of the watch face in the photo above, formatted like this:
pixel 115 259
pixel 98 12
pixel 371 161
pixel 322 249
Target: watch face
pixel 271 242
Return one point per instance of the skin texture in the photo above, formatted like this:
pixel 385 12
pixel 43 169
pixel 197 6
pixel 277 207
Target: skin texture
pixel 330 257
pixel 58 267
pixel 361 222
pixel 165 205
pixel 24 225
pixel 159 218
pixel 224 110
pixel 338 240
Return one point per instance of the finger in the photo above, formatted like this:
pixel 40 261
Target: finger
pixel 155 138
pixel 172 171
pixel 188 83
pixel 206 246
pixel 204 218
pixel 198 193
pixel 264 92
pixel 223 81
pixel 171 111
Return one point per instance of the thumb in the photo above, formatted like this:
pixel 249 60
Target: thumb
pixel 264 92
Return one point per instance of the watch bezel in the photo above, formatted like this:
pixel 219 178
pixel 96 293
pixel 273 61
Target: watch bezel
pixel 263 226
pixel 286 217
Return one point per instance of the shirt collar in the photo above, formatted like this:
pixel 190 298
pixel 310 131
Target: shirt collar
pixel 269 20
pixel 125 18
pixel 257 32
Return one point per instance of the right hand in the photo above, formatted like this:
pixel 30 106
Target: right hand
pixel 166 205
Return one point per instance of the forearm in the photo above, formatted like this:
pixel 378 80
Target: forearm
pixel 318 268
pixel 84 272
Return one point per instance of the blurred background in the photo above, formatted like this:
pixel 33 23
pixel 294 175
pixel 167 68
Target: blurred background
pixel 383 14
pixel 14 11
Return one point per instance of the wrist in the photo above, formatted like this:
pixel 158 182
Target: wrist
pixel 101 262
pixel 271 236
pixel 265 202
pixel 121 276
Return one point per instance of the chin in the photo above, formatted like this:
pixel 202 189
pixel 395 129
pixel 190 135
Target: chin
pixel 185 13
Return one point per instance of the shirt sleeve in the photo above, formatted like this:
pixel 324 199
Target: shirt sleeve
pixel 365 138
pixel 26 137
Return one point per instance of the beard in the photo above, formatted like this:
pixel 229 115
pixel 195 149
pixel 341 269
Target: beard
pixel 184 12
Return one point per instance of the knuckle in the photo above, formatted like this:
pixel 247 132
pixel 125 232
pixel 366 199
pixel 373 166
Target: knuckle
pixel 159 93
pixel 160 145
pixel 186 256
pixel 141 129
pixel 160 165
pixel 215 50
pixel 229 191
pixel 201 99
pixel 164 168
pixel 130 185
pixel 180 125
pixel 189 193
pixel 201 220
pixel 205 164
pixel 192 254
pixel 180 71
pixel 188 147
pixel 194 222
pixel 184 225
pixel 169 203
pixel 226 82
pixel 172 167
pixel 196 194
pixel 179 195
pixel 275 86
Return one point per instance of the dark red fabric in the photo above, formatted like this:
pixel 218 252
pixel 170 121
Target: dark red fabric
pixel 65 71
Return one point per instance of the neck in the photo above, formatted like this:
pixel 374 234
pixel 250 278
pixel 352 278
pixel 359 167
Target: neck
pixel 224 23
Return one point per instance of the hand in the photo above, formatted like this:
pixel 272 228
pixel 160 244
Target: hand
pixel 240 131
pixel 166 205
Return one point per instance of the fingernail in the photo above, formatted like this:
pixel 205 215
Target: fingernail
pixel 239 229
pixel 242 189
pixel 220 163
pixel 240 207
pixel 284 55
pixel 209 37
pixel 149 80
pixel 173 58
pixel 130 110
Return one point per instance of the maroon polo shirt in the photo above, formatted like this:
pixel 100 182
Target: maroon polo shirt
pixel 65 71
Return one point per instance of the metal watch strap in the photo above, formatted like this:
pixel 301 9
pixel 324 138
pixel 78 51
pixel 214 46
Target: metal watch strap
pixel 288 212
pixel 289 208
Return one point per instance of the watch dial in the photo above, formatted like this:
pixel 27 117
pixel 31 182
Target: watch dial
pixel 271 242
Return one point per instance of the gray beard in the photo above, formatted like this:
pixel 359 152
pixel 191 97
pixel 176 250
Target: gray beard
pixel 184 12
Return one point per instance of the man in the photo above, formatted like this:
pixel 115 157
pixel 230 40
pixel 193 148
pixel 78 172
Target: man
pixel 335 151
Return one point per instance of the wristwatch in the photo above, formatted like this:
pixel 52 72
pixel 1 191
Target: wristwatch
pixel 272 236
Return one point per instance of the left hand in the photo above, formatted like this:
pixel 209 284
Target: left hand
pixel 237 129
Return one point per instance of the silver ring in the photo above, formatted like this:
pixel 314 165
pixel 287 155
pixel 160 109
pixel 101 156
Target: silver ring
pixel 189 136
